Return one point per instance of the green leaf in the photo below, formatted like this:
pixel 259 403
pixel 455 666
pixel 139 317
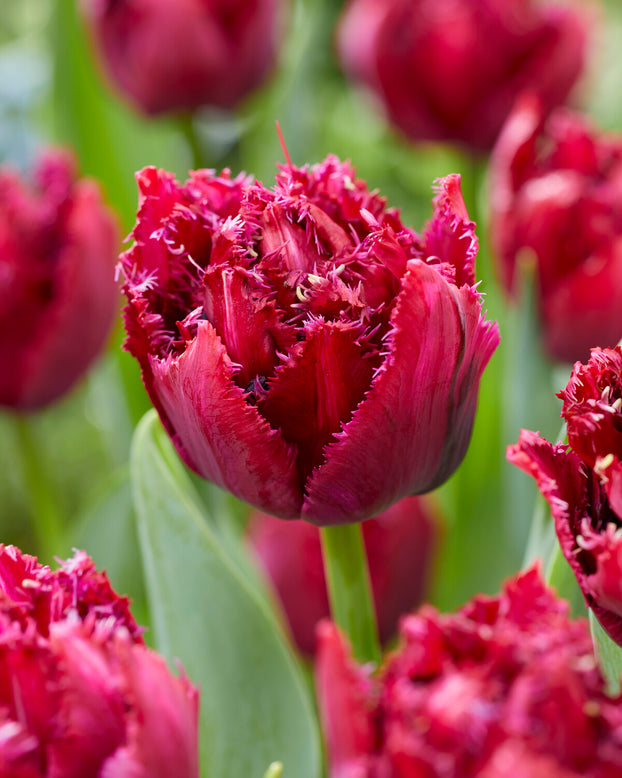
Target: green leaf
pixel 609 655
pixel 255 707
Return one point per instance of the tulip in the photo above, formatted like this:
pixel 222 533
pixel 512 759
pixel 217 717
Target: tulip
pixel 507 687
pixel 556 188
pixel 77 691
pixel 450 70
pixel 303 348
pixel 58 298
pixel 179 55
pixel 582 482
pixel 399 544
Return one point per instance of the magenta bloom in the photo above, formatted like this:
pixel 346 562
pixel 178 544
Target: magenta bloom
pixel 303 348
pixel 80 695
pixel 451 69
pixel 556 197
pixel 400 545
pixel 507 687
pixel 179 55
pixel 582 482
pixel 58 297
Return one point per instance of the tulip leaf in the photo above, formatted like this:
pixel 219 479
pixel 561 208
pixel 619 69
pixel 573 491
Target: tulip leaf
pixel 609 656
pixel 255 707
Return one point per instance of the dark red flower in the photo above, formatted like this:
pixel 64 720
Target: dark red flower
pixel 58 298
pixel 303 348
pixel 507 687
pixel 179 55
pixel 452 69
pixel 582 482
pixel 400 546
pixel 556 200
pixel 80 695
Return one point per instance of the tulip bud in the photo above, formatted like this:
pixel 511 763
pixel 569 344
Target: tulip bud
pixel 179 55
pixel 79 694
pixel 304 349
pixel 507 687
pixel 583 482
pixel 399 546
pixel 58 299
pixel 556 193
pixel 451 69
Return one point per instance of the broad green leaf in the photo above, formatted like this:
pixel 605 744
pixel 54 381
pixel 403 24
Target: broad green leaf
pixel 609 655
pixel 255 707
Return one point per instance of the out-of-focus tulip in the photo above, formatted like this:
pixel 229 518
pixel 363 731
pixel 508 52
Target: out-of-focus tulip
pixel 303 348
pixel 80 695
pixel 451 69
pixel 556 200
pixel 58 297
pixel 507 687
pixel 583 483
pixel 400 545
pixel 179 55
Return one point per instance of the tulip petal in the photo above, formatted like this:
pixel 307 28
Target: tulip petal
pixel 218 434
pixel 423 397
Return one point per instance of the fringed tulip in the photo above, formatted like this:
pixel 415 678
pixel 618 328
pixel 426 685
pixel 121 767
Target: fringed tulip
pixel 400 545
pixel 80 695
pixel 58 297
pixel 451 69
pixel 582 482
pixel 507 687
pixel 556 201
pixel 303 348
pixel 179 55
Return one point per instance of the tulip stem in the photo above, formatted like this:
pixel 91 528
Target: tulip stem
pixel 349 589
pixel 45 513
pixel 189 129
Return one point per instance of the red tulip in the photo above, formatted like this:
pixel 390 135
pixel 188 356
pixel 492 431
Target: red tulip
pixel 80 695
pixel 399 548
pixel 303 348
pixel 508 687
pixel 451 69
pixel 179 55
pixel 556 194
pixel 58 297
pixel 582 483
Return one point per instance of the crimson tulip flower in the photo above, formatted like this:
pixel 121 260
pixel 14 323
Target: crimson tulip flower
pixel 507 687
pixel 58 297
pixel 399 544
pixel 179 55
pixel 556 194
pixel 304 349
pixel 77 691
pixel 452 69
pixel 582 482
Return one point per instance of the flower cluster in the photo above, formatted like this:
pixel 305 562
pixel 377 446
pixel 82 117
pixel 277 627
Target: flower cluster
pixel 582 482
pixel 507 687
pixel 58 299
pixel 304 349
pixel 556 194
pixel 399 544
pixel 77 695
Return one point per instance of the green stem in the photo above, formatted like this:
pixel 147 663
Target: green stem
pixel 45 512
pixel 349 589
pixel 189 129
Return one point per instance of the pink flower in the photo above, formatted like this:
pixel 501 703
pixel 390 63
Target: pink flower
pixel 58 299
pixel 506 687
pixel 451 69
pixel 556 193
pixel 399 544
pixel 303 348
pixel 582 482
pixel 178 55
pixel 80 695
